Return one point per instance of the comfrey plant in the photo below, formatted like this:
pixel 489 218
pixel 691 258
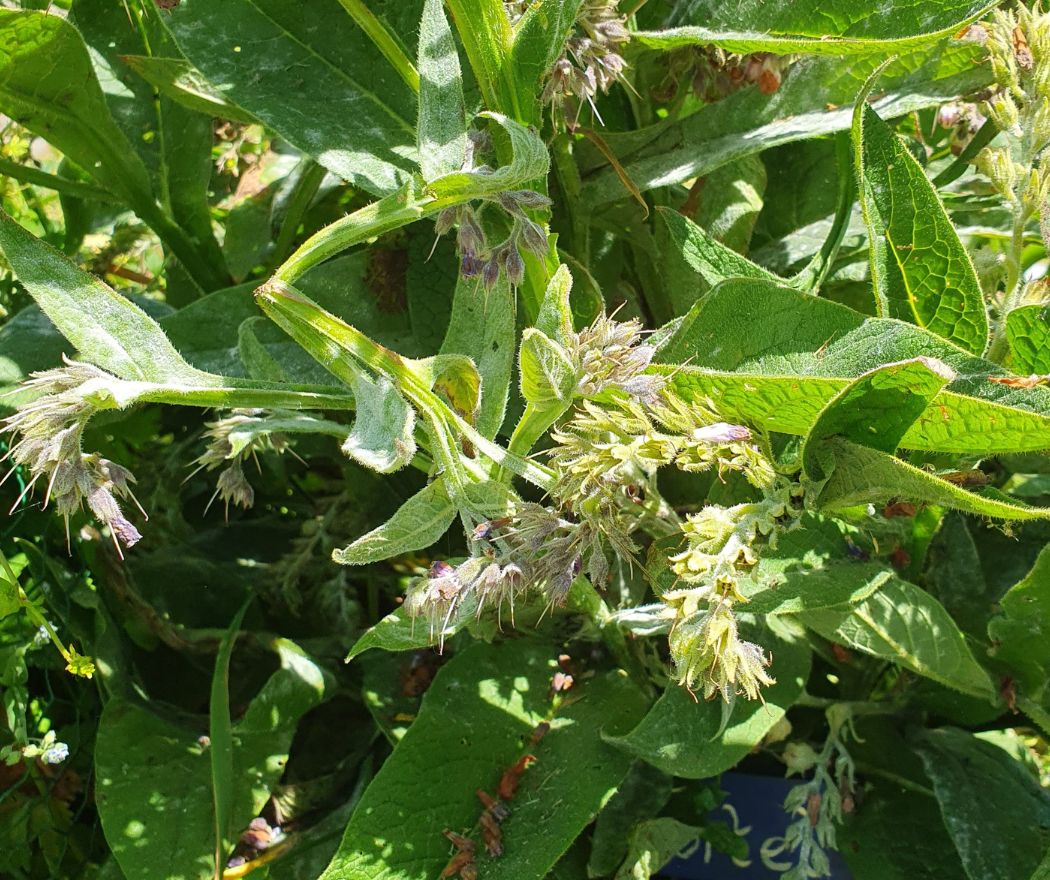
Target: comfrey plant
pixel 630 393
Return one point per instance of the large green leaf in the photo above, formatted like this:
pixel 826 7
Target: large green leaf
pixel 173 142
pixel 995 810
pixel 840 27
pixel 815 98
pixel 878 845
pixel 442 135
pixel 1021 633
pixel 106 328
pixel 150 769
pixel 48 84
pixel 685 738
pixel 475 722
pixel 876 409
pixel 861 475
pixel 906 625
pixel 919 268
pixel 775 358
pixel 308 72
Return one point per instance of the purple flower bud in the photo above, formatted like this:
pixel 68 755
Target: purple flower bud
pixel 490 274
pixel 469 264
pixel 440 568
pixel 721 432
pixel 515 267
pixel 533 237
pixel 527 198
pixel 445 220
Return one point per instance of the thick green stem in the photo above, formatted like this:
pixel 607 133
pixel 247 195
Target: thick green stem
pixel 396 210
pixel 1013 287
pixel 386 41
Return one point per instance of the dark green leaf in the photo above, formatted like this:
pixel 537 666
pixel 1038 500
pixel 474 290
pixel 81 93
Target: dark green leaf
pixel 477 717
pixel 1021 633
pixel 270 56
pixel 1028 333
pixel 994 809
pixel 906 625
pixel 841 27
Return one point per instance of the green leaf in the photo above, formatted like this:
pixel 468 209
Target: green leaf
pixel 919 268
pixel 484 29
pixel 539 40
pixel 477 716
pixel 711 260
pixel 548 378
pixel 149 769
pixel 839 585
pixel 653 844
pixel 774 358
pixel 877 845
pixel 953 574
pixel 180 81
pixel 814 99
pixel 48 84
pixel 876 409
pixel 383 435
pixel 442 129
pixel 995 810
pixel 397 632
pixel 418 523
pixel 107 329
pixel 1021 633
pixel 1028 333
pixel 685 738
pixel 531 162
pixel 482 328
pixel 841 27
pixel 220 730
pixel 859 475
pixel 642 795
pixel 270 57
pixel 9 599
pixel 906 625
pixel 555 315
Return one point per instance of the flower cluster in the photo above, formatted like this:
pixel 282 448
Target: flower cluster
pixel 231 441
pixel 593 60
pixel 710 655
pixel 477 257
pixel 611 355
pixel 1018 44
pixel 711 73
pixel 49 430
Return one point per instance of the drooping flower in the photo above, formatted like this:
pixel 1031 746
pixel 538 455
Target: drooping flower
pixel 49 430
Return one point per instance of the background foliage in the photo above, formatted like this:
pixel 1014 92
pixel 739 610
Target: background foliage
pixel 540 409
